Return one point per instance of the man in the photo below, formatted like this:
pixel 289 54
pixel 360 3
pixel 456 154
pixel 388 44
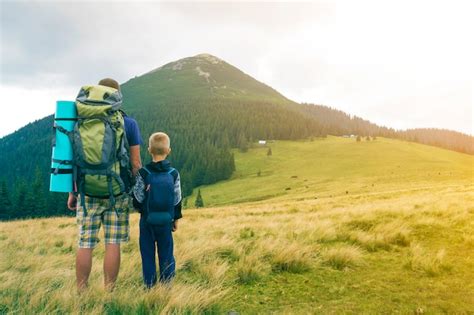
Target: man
pixel 100 212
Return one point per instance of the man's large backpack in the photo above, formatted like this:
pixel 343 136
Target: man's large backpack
pixel 100 147
pixel 158 207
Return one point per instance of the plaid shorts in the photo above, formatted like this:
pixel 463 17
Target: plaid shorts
pixel 99 212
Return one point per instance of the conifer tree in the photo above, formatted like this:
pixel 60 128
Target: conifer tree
pixel 199 203
pixel 5 201
pixel 269 152
pixel 29 207
pixel 19 204
pixel 38 194
pixel 243 143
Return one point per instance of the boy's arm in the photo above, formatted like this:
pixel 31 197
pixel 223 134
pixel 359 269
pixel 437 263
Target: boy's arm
pixel 177 198
pixel 138 192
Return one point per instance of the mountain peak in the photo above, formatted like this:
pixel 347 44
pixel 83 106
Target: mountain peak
pixel 208 57
pixel 178 64
pixel 202 75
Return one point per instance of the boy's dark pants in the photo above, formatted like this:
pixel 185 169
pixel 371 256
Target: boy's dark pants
pixel 153 239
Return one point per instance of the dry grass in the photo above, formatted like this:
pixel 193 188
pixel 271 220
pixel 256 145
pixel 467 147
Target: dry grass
pixel 382 236
pixel 290 256
pixel 343 257
pixel 222 253
pixel 432 264
pixel 250 269
pixel 213 271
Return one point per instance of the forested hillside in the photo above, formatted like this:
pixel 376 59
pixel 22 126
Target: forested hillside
pixel 207 106
pixel 442 138
pixel 336 122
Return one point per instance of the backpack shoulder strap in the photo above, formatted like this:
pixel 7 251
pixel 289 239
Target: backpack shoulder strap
pixel 173 173
pixel 144 172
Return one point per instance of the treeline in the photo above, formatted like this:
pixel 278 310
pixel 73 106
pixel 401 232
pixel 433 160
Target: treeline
pixel 30 199
pixel 338 123
pixel 442 138
pixel 202 133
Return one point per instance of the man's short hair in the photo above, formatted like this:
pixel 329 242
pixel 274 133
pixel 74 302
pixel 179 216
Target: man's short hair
pixel 110 83
pixel 159 143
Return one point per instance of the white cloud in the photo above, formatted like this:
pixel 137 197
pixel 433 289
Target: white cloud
pixel 403 64
pixel 21 106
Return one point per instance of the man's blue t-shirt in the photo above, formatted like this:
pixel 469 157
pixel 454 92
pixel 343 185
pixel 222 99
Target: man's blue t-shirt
pixel 132 131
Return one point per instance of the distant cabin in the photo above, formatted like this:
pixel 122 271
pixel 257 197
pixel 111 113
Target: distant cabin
pixel 262 142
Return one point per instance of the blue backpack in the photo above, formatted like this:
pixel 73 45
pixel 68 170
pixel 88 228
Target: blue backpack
pixel 158 207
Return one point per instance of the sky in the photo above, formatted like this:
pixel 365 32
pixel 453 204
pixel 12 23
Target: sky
pixel 401 64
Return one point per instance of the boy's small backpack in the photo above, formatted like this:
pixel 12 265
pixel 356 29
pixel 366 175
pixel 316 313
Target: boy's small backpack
pixel 158 207
pixel 101 163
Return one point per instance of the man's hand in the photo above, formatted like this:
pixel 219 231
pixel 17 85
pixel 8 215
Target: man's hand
pixel 175 226
pixel 72 202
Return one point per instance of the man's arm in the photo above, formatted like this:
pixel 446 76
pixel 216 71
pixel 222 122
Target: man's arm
pixel 134 141
pixel 135 159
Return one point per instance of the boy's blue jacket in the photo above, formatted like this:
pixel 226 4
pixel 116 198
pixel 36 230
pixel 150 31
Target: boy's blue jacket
pixel 138 192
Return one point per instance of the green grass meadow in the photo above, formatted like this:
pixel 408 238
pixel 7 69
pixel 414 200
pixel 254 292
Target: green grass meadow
pixel 329 226
pixel 334 166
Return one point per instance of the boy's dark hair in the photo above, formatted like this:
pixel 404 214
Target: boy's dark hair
pixel 110 83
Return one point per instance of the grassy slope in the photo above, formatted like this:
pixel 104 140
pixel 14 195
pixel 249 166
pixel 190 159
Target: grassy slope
pixel 403 245
pixel 334 166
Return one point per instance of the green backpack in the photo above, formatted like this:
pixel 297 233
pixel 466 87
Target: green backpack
pixel 100 147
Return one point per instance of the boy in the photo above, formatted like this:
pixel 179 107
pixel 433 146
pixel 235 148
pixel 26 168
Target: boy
pixel 157 195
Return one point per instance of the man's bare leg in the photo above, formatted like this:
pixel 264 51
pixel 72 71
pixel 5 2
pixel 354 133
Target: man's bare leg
pixel 83 267
pixel 111 265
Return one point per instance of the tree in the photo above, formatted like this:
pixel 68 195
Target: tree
pixel 358 139
pixel 38 194
pixel 259 173
pixel 269 152
pixel 20 199
pixel 242 143
pixel 367 138
pixel 56 204
pixel 5 201
pixel 225 142
pixel 199 203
